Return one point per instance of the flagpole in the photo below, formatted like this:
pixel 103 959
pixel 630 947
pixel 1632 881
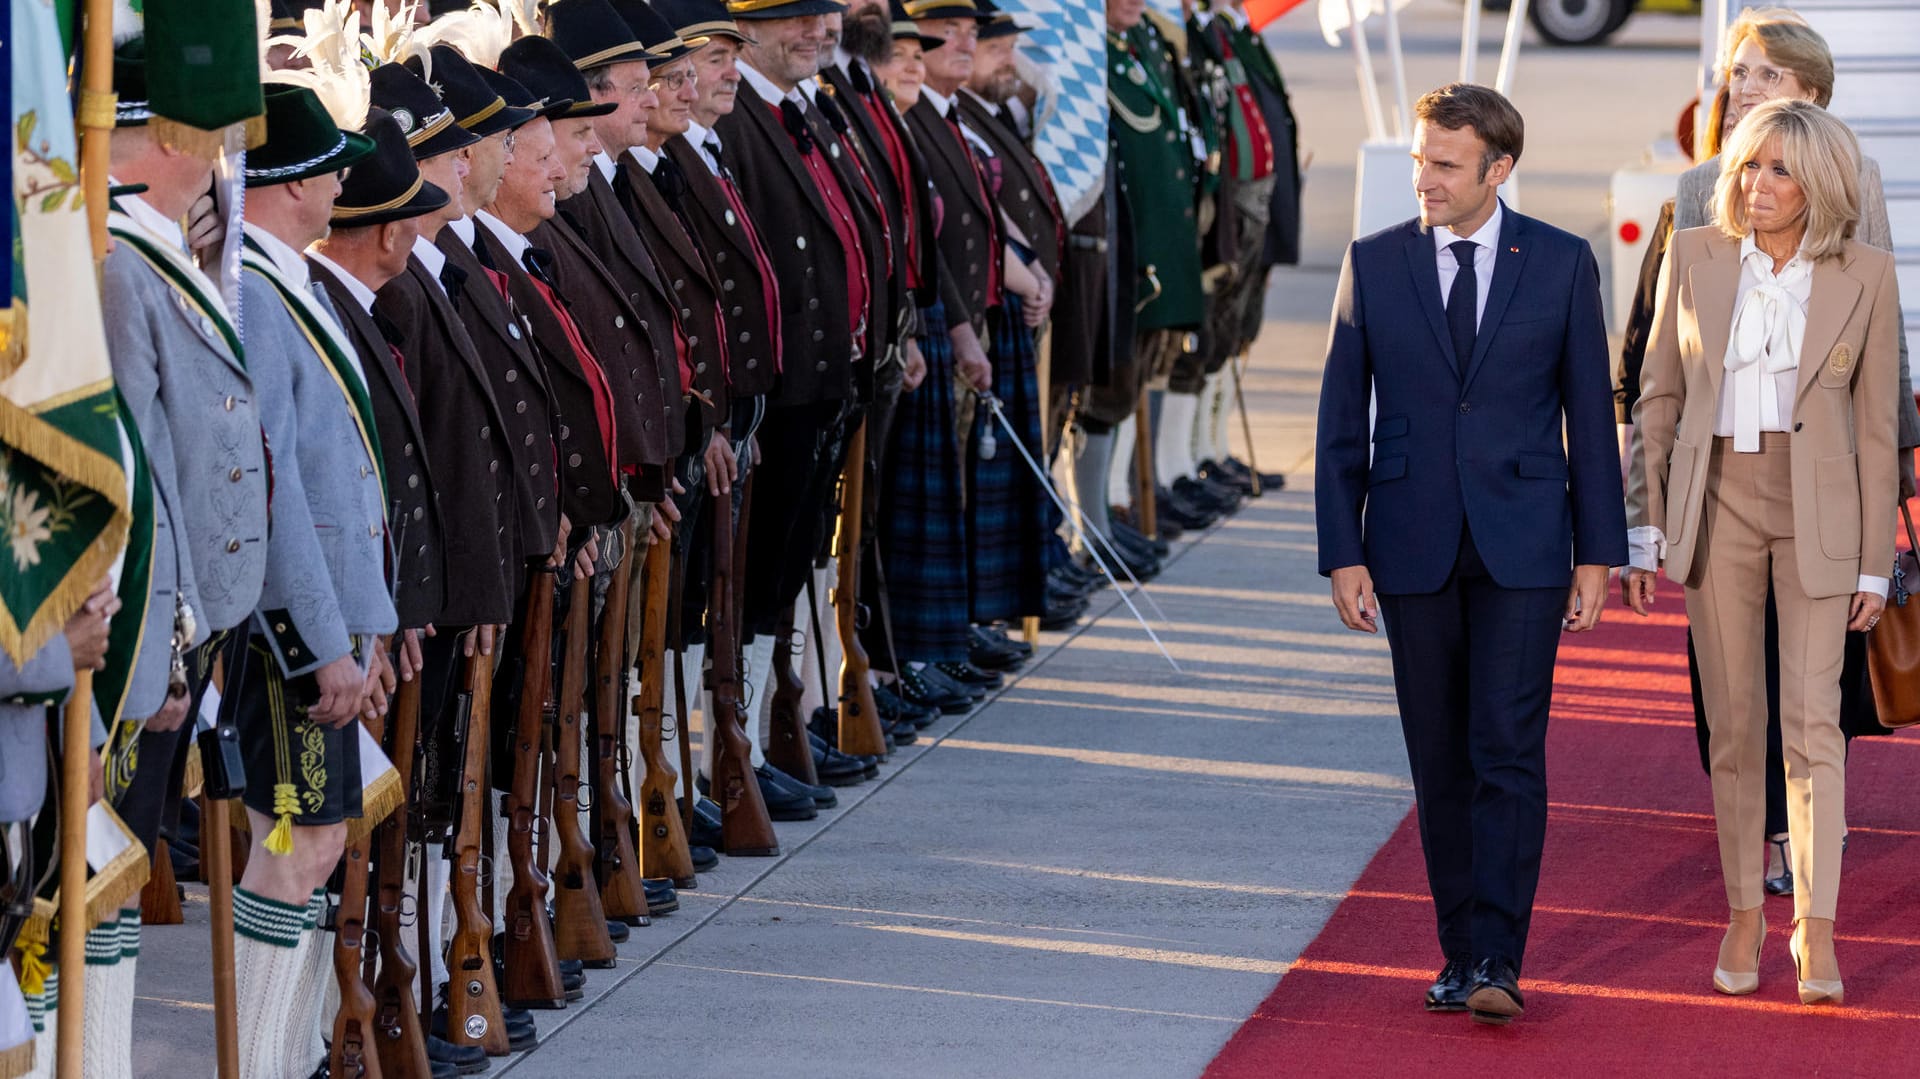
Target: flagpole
pixel 95 120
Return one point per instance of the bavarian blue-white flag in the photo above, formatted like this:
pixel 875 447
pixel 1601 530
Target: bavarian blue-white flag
pixel 1067 44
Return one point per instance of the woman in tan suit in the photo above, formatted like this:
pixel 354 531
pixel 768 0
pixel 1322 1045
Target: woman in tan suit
pixel 1766 412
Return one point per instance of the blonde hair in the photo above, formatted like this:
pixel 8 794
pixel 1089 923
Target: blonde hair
pixel 1819 153
pixel 1716 121
pixel 1789 43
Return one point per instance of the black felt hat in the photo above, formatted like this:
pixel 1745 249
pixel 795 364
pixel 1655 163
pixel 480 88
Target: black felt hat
pixel 386 185
pixel 130 83
pixel 285 18
pixel 754 10
pixel 302 140
pixel 904 27
pixel 592 34
pixel 693 19
pixel 664 43
pixel 539 65
pixel 423 117
pixel 476 106
pixel 521 98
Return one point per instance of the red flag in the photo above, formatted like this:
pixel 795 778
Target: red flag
pixel 1262 12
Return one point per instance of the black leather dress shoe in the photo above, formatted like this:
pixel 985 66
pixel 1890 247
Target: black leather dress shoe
pixel 1448 993
pixel 835 768
pixel 661 898
pixel 436 1069
pixel 705 858
pixel 706 827
pixel 822 796
pixel 937 677
pixel 918 688
pixel 992 652
pixel 463 1059
pixel 1175 509
pixel 825 756
pixel 519 1023
pixel 618 932
pixel 1494 996
pixel 1063 613
pixel 969 675
pixel 1127 534
pixel 899 732
pixel 895 708
pixel 1215 472
pixel 782 802
pixel 573 979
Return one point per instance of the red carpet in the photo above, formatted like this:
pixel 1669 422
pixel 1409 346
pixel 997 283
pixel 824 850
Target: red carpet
pixel 1628 919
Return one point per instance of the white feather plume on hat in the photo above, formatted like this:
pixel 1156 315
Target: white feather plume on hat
pixel 480 33
pixel 337 75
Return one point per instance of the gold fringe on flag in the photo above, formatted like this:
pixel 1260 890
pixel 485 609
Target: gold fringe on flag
pixel 202 143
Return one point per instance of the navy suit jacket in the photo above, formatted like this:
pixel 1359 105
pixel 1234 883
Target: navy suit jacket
pixel 1516 441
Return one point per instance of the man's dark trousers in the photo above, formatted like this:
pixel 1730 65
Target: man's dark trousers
pixel 1473 669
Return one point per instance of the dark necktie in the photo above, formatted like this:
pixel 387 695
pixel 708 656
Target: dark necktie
pixel 713 151
pixel 857 75
pixel 482 250
pixel 539 264
pixel 452 278
pixel 796 125
pixel 671 182
pixel 1462 298
pixel 831 110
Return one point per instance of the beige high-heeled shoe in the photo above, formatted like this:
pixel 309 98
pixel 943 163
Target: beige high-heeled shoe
pixel 1812 990
pixel 1741 983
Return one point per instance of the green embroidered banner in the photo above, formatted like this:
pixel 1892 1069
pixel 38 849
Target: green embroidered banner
pixel 63 491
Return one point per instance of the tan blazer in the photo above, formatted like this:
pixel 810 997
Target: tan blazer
pixel 1843 412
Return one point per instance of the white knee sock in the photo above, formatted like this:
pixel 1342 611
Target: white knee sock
pixel 433 907
pixel 1120 465
pixel 43 1009
pixel 1173 442
pixel 270 942
pixel 310 1021
pixel 108 1024
pixel 758 720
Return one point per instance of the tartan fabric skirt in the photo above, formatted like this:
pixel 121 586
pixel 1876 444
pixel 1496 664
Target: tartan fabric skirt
pixel 1006 506
pixel 922 525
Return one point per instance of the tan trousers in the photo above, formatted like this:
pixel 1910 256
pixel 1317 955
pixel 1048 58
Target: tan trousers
pixel 1748 534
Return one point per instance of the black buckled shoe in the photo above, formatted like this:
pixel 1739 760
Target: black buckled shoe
pixel 1448 993
pixel 705 858
pixel 1494 996
pixel 991 652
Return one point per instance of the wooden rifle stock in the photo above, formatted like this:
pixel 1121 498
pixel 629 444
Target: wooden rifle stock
pixel 401 1042
pixel 473 999
pixel 352 1055
pixel 532 966
pixel 860 731
pixel 580 923
pixel 663 835
pixel 616 862
pixel 788 747
pixel 745 827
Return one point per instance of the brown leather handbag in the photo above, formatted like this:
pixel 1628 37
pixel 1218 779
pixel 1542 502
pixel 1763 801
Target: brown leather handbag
pixel 1893 645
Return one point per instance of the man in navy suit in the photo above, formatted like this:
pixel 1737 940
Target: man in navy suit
pixel 1485 518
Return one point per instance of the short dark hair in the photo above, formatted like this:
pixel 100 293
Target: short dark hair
pixel 1492 117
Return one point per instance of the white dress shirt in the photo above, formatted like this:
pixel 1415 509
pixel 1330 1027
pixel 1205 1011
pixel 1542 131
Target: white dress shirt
pixel 356 288
pixel 698 136
pixel 163 227
pixel 463 228
pixel 647 159
pixel 432 258
pixel 1486 241
pixel 515 244
pixel 765 88
pixel 1763 347
pixel 605 164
